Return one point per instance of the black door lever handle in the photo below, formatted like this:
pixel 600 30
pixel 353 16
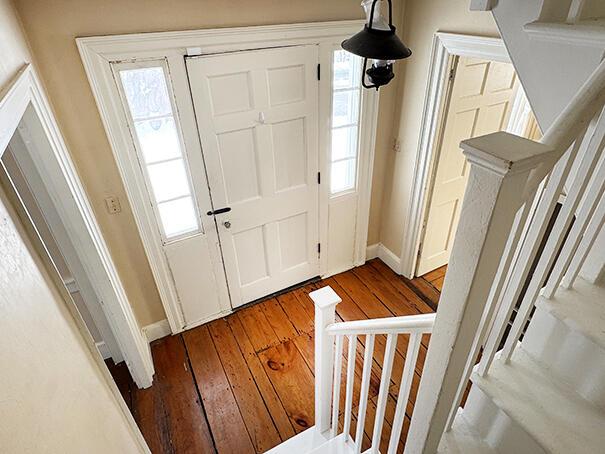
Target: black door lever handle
pixel 219 211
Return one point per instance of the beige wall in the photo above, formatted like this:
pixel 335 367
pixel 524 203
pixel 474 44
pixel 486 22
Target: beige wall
pixel 54 394
pixel 422 19
pixel 52 28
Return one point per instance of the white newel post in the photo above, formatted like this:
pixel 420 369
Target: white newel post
pixel 325 300
pixel 501 165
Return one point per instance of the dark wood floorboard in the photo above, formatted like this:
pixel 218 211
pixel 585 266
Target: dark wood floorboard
pixel 244 383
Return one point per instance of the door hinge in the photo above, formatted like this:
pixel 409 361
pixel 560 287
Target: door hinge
pixel 318 248
pixel 318 71
pixel 318 177
pixel 452 74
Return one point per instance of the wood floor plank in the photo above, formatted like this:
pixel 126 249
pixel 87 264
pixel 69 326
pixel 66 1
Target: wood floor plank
pixel 278 413
pixel 121 376
pixel 186 423
pixel 293 381
pixel 254 369
pixel 296 313
pixel 257 326
pixel 277 318
pixel 150 415
pixel 396 281
pixel 224 417
pixel 261 429
pixel 379 285
pixel 435 274
pixel 425 289
pixel 438 283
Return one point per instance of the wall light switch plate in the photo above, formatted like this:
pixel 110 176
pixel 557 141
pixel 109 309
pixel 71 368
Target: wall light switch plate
pixel 113 205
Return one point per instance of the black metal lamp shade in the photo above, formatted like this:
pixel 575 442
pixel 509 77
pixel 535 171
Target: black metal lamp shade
pixel 379 42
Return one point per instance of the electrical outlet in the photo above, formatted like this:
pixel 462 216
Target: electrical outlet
pixel 113 205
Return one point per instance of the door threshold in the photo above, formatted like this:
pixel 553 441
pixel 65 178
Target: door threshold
pixel 278 293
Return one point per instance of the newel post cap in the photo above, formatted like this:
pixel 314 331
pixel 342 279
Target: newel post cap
pixel 325 297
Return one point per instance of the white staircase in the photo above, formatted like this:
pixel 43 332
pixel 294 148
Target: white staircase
pixel 549 397
pixel 538 383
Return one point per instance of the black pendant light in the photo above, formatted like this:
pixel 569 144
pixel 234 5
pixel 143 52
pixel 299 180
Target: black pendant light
pixel 379 42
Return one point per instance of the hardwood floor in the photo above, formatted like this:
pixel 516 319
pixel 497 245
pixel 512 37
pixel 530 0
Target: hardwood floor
pixel 244 383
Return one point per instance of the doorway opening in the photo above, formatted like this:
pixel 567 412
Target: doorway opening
pixel 483 97
pixel 22 182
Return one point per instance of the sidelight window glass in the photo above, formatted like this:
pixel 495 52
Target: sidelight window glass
pixel 158 143
pixel 346 104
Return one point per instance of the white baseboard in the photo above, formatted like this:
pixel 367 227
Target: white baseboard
pixel 103 350
pixel 157 330
pixel 380 251
pixel 372 251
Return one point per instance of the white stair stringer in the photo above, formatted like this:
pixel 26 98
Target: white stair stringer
pixel 519 409
pixel 567 337
pixel 462 439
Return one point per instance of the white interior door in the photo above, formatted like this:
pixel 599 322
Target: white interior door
pixel 480 103
pixel 257 116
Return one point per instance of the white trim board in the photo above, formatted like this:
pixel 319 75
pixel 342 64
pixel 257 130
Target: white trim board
pixel 98 52
pixel 445 47
pixel 24 99
pixel 157 330
pixel 382 252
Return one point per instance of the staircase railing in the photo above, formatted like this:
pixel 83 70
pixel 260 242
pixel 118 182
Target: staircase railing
pixel 329 346
pixel 514 186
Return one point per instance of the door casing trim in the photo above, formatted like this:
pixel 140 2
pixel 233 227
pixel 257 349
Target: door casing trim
pixel 446 46
pixel 63 184
pixel 99 52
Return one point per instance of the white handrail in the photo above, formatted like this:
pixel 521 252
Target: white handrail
pixel 578 114
pixel 407 324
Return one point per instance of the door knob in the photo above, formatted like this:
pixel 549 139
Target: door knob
pixel 227 224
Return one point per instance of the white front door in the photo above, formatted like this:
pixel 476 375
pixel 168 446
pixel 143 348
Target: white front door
pixel 257 117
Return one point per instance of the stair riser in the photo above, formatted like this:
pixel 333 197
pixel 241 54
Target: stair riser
pixel 569 355
pixel 496 428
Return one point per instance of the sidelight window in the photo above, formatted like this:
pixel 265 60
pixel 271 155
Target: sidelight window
pixel 159 147
pixel 346 103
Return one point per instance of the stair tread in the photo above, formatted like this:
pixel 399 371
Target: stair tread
pixel 303 442
pixel 582 308
pixel 461 439
pixel 337 445
pixel 556 417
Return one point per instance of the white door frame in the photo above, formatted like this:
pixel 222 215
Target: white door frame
pixel 66 191
pixel 98 53
pixel 446 46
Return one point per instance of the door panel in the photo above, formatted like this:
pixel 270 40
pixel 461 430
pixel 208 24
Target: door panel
pixel 480 103
pixel 257 114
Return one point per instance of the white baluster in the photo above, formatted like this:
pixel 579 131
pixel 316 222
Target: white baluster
pixel 383 393
pixel 555 239
pixel 325 300
pixel 575 11
pixel 336 391
pixel 407 377
pixel 350 381
pixel 529 249
pixel 584 215
pixel 363 394
pixel 588 239
pixel 500 169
